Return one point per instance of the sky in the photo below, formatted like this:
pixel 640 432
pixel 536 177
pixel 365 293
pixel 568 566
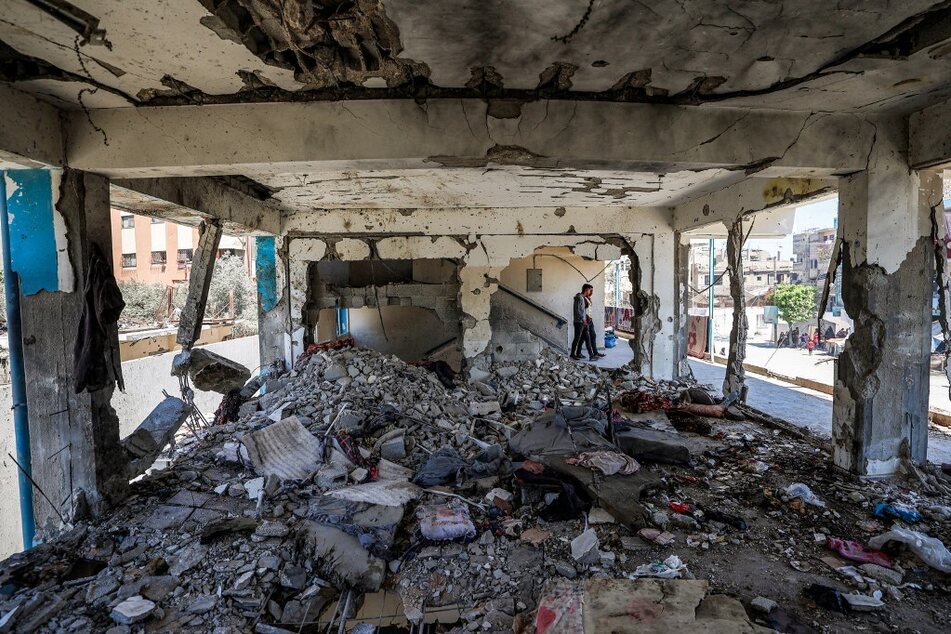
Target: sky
pixel 818 215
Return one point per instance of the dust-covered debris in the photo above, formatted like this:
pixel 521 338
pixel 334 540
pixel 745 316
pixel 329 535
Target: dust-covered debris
pixel 354 481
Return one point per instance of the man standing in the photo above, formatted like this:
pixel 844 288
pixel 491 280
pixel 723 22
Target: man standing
pixel 584 325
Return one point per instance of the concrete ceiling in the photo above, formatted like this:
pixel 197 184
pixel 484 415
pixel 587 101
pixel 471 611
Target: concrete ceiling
pixel 810 55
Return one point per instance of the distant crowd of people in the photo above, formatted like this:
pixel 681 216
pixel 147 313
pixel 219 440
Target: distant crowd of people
pixel 803 341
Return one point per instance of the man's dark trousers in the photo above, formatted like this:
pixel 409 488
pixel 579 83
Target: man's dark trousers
pixel 584 333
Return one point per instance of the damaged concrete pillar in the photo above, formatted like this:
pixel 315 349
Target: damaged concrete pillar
pixel 880 406
pixel 654 281
pixel 272 321
pixel 199 281
pixel 57 218
pixel 681 303
pixel 476 285
pixel 735 379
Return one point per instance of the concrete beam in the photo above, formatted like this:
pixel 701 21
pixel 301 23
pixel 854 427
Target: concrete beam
pixel 929 133
pixel 381 134
pixel 189 201
pixel 477 221
pixel 31 132
pixel 199 281
pixel 748 197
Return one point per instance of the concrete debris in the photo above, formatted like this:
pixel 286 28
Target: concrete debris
pixel 148 440
pixel 341 558
pixel 132 610
pixel 211 372
pixel 383 492
pixel 285 449
pixel 339 484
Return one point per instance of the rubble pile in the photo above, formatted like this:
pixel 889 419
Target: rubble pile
pixel 359 491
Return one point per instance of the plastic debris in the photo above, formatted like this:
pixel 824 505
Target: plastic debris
pixel 444 522
pixel 670 568
pixel 929 549
pixel 891 511
pixel 857 552
pixel 804 493
pixel 826 597
pixel 863 602
pixel 680 507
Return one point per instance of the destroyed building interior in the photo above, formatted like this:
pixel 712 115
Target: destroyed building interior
pixel 431 459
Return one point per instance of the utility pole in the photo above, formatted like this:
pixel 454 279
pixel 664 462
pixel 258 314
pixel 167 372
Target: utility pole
pixel 779 252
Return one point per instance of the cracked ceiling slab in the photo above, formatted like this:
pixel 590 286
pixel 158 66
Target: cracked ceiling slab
pixel 810 55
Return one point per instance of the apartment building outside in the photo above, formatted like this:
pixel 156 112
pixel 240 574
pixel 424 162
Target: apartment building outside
pixel 812 249
pixel 762 271
pixel 155 251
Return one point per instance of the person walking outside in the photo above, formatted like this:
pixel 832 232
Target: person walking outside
pixel 584 325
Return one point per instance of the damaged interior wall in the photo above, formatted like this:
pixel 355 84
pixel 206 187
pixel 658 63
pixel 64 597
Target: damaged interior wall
pixel 398 306
pixel 561 274
pixel 409 332
pixel 483 259
pixel 492 238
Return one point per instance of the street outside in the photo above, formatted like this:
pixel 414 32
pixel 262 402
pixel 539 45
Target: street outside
pixel 798 405
pixel 821 367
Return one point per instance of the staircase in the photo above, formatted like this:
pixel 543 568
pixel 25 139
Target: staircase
pixel 521 327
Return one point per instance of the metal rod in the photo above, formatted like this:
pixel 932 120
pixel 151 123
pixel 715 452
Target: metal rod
pixel 21 417
pixel 710 300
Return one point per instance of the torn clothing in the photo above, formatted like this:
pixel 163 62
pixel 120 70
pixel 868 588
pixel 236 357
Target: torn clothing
pixel 606 461
pixel 96 360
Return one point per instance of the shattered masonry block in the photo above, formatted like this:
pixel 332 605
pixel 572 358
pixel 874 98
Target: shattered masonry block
pixel 285 449
pixel 340 558
pixel 648 445
pixel 144 445
pixel 211 372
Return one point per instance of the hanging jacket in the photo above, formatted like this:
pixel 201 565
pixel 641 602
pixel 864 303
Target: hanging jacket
pixel 95 353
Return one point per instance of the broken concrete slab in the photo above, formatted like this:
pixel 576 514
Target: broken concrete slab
pixel 639 605
pixel 132 610
pixel 341 559
pixel 144 445
pixel 285 449
pixel 648 445
pixel 211 372
pixel 383 492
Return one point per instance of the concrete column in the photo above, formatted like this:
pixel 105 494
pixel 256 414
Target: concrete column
pixel 681 304
pixel 271 318
pixel 56 218
pixel 880 406
pixel 735 378
pixel 654 279
pixel 476 286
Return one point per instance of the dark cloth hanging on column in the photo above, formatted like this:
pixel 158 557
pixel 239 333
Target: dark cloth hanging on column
pixel 95 353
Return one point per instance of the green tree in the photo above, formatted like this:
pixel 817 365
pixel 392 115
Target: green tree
pixel 229 277
pixel 796 302
pixel 142 300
